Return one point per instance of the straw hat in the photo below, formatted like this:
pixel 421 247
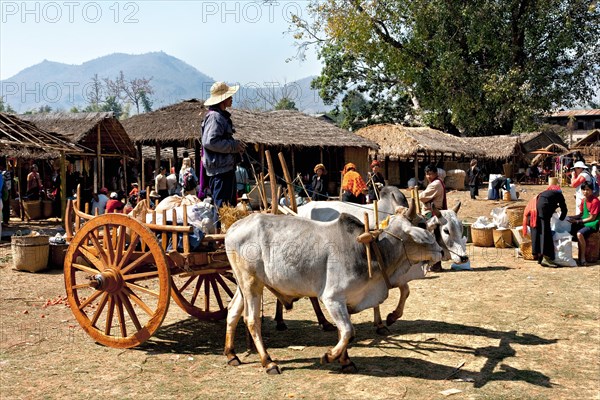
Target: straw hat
pixel 580 164
pixel 320 166
pixel 114 195
pixel 154 195
pixel 219 91
pixel 245 197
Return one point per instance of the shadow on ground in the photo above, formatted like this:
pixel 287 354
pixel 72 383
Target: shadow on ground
pixel 195 337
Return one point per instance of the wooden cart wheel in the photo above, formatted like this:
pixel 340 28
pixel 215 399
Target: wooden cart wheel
pixel 105 276
pixel 204 295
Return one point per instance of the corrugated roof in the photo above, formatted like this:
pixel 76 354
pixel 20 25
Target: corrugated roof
pixel 576 113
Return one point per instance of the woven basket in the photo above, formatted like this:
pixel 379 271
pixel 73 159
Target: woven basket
pixel 502 238
pixel 47 210
pixel 57 255
pixel 30 253
pixel 526 249
pixel 32 209
pixel 592 247
pixel 515 216
pixel 482 237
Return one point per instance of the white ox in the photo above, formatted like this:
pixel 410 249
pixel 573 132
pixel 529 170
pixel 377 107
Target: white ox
pixel 445 224
pixel 294 257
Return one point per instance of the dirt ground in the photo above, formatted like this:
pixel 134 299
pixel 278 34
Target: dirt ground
pixel 509 329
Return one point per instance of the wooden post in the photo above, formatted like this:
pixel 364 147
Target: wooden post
pixel 141 168
pixel 175 162
pixel 376 212
pixel 63 185
pixel 416 167
pixel 368 246
pixel 124 175
pixel 290 184
pixel 186 236
pixel 98 172
pixel 156 161
pixel 273 181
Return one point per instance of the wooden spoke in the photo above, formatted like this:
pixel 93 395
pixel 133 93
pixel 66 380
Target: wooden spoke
pixel 214 295
pixel 186 284
pixel 130 250
pixel 100 308
pixel 92 259
pixel 139 302
pixel 197 290
pixel 206 295
pixel 116 268
pixel 120 316
pixel 120 245
pixel 109 315
pixel 93 297
pixel 85 268
pixel 216 292
pixel 140 261
pixel 108 240
pixel 132 286
pixel 96 243
pixel 224 286
pixel 141 275
pixel 125 301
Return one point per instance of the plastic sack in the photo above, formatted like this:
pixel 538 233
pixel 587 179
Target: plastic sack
pixel 559 226
pixel 500 217
pixel 563 250
pixel 482 223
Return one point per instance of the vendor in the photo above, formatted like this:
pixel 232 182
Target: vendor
pixel 435 192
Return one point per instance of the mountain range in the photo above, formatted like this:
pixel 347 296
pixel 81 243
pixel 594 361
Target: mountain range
pixel 63 86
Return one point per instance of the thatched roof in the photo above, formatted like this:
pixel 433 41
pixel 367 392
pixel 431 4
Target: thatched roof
pixel 19 138
pixel 554 147
pixel 82 129
pixel 180 123
pixel 174 124
pixel 538 140
pixel 497 147
pixel 591 140
pixel 404 142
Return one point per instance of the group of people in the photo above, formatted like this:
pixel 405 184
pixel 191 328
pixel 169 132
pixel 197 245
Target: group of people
pixel 540 209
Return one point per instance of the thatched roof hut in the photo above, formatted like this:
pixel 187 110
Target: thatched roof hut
pixel 589 146
pixel 498 147
pixel 23 139
pixel 88 130
pixel 539 140
pixel 406 142
pixel 179 123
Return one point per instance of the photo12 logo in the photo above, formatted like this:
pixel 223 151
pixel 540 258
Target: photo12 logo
pixel 250 11
pixel 53 12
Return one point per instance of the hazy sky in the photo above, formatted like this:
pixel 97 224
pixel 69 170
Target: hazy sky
pixel 233 41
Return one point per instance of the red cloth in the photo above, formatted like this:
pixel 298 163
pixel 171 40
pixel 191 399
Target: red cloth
pixel 531 212
pixel 593 206
pixel 114 205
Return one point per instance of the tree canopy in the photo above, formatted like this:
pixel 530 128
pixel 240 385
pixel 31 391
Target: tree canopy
pixel 480 67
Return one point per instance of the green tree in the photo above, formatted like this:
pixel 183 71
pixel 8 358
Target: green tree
pixel 481 67
pixel 5 107
pixel 286 104
pixel 146 102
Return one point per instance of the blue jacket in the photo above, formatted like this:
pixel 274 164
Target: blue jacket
pixel 220 148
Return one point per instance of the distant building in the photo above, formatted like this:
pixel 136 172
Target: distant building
pixel 585 121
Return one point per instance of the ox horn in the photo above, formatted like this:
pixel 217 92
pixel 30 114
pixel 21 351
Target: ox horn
pixel 435 211
pixel 412 211
pixel 456 207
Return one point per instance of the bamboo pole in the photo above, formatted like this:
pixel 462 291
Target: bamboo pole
pixel 273 181
pixel 290 184
pixel 63 186
pixel 186 236
pixel 368 247
pixel 97 172
pixel 376 212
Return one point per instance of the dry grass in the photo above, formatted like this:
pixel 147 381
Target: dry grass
pixel 507 330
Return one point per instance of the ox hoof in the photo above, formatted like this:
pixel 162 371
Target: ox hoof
pixel 281 326
pixel 390 319
pixel 273 369
pixel 328 327
pixel 325 359
pixel 234 362
pixel 383 331
pixel 349 368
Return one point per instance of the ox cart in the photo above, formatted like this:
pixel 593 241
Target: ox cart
pixel 120 274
